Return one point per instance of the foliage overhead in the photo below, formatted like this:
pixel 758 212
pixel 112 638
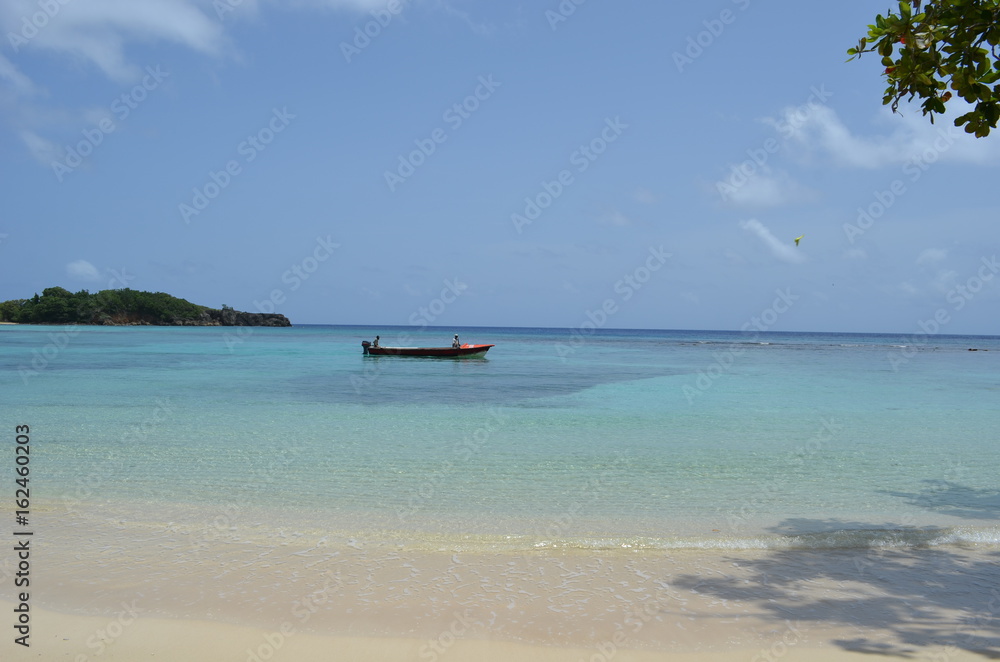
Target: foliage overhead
pixel 928 47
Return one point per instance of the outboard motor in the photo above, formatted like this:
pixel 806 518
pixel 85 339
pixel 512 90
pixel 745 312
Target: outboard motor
pixel 366 345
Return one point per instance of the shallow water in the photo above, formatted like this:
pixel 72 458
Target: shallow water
pixel 616 440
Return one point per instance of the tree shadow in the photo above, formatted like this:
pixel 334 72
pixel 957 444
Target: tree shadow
pixel 949 498
pixel 880 588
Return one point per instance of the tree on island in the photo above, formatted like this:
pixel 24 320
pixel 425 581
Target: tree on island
pixel 58 305
pixel 941 44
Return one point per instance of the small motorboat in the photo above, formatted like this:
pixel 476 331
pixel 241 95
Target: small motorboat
pixel 465 351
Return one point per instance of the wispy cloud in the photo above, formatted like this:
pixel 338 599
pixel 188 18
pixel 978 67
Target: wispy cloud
pixel 42 150
pixel 823 135
pixel 784 251
pixel 766 189
pixel 18 82
pixel 645 196
pixel 97 31
pixel 616 218
pixel 83 270
pixel 931 256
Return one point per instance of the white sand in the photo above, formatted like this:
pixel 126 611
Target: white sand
pixel 58 636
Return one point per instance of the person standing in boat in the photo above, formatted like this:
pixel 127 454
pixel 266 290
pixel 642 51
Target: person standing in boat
pixel 375 344
pixel 455 343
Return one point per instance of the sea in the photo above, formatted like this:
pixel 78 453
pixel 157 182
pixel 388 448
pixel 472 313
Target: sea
pixel 608 440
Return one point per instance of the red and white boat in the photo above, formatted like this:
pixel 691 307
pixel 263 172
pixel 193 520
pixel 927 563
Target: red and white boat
pixel 465 351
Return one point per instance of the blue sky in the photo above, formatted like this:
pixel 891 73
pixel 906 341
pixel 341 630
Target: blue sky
pixel 463 163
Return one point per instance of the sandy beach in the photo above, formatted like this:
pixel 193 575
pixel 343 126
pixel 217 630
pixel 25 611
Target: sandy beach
pixel 125 591
pixel 90 638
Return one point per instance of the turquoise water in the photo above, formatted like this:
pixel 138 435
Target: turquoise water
pixel 619 438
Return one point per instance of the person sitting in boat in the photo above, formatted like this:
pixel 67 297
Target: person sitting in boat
pixel 455 343
pixel 375 344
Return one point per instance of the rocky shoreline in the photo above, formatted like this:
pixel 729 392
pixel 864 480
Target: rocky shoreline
pixel 209 317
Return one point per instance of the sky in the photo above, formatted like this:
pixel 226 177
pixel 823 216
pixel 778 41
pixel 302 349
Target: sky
pixel 543 163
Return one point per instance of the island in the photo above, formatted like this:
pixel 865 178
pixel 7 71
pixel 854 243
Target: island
pixel 126 307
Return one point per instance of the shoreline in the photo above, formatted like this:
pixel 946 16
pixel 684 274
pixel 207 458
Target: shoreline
pixel 227 587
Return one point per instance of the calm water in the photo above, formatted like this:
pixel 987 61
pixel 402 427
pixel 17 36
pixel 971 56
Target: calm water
pixel 623 438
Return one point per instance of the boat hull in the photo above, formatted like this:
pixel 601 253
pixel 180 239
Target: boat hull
pixel 463 352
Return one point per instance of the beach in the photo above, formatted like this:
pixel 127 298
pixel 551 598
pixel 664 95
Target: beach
pixel 120 590
pixel 194 497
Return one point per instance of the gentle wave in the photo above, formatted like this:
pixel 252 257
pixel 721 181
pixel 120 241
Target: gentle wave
pixel 853 539
pixel 845 539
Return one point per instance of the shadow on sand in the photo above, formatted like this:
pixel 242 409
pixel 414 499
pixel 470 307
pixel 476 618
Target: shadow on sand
pixel 895 591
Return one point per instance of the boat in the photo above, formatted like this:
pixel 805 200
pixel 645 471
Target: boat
pixel 465 351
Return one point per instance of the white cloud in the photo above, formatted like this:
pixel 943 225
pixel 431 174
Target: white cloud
pixel 820 133
pixel 98 30
pixel 18 81
pixel 931 256
pixel 42 150
pixel 856 254
pixel 645 196
pixel 765 190
pixel 785 251
pixel 617 219
pixel 83 270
